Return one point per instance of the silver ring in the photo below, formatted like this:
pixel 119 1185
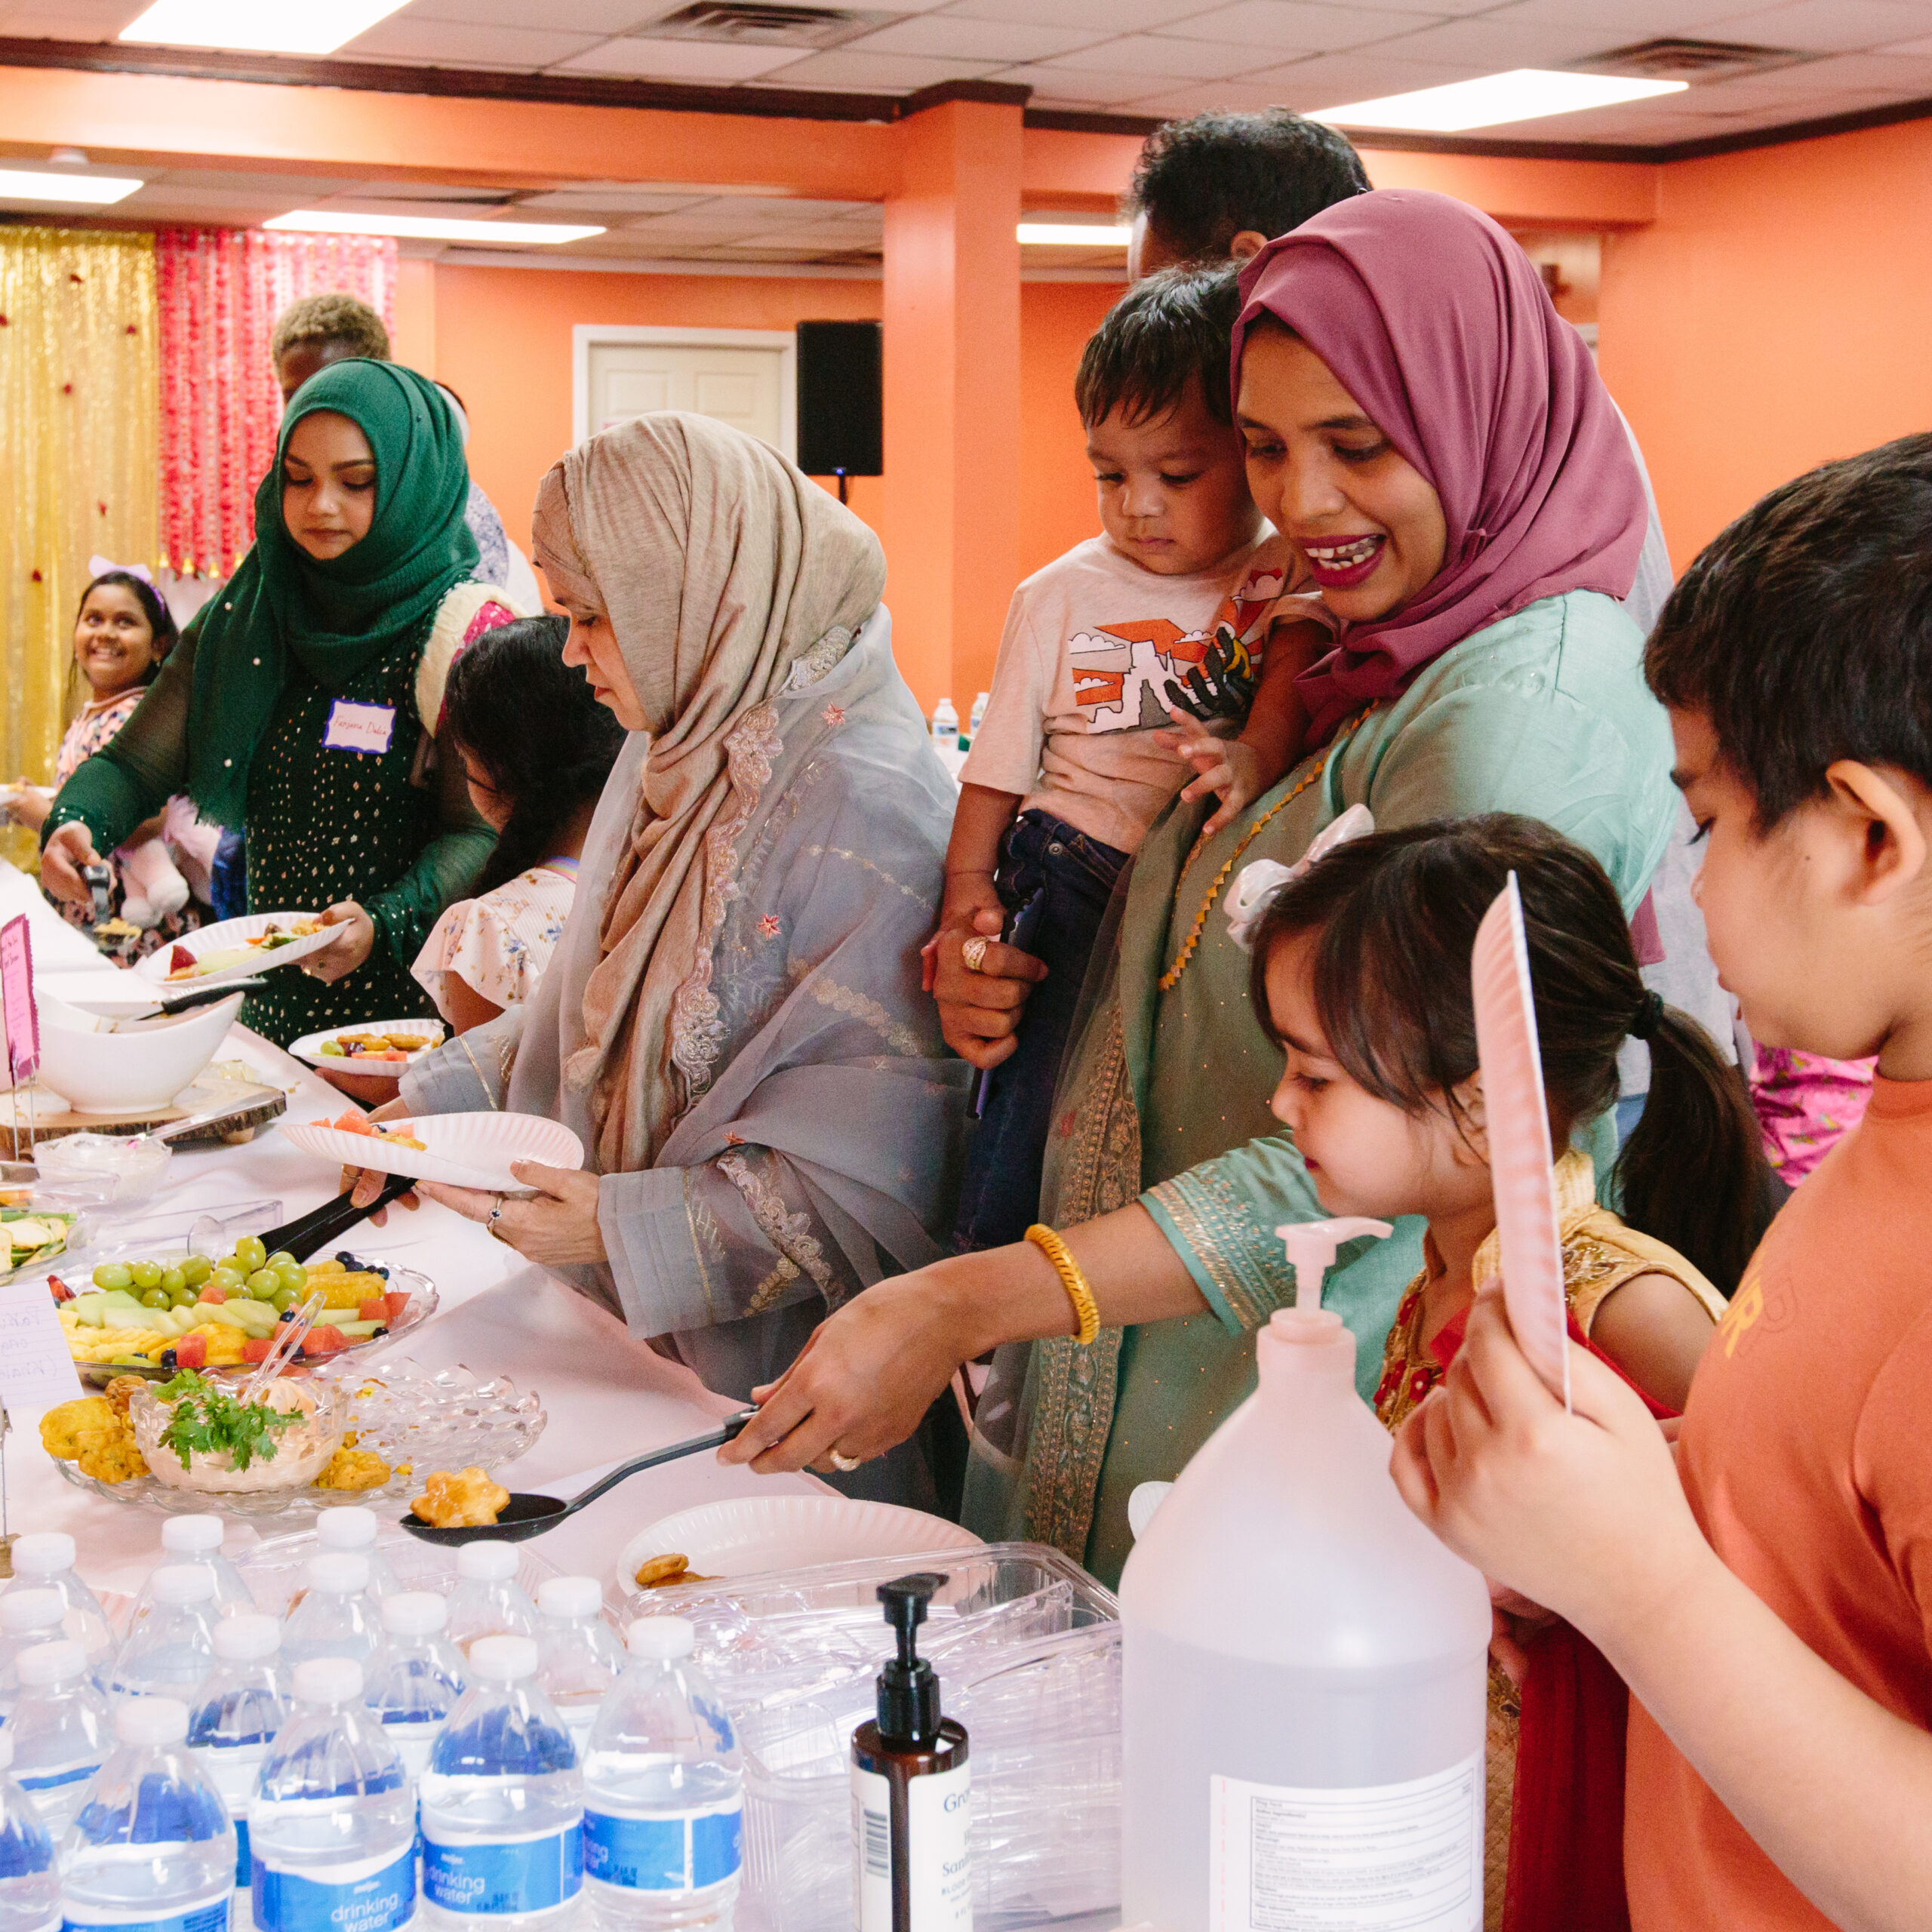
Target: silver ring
pixel 844 1464
pixel 496 1215
pixel 972 954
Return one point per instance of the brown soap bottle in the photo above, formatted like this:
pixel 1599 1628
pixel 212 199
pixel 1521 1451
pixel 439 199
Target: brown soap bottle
pixel 911 1791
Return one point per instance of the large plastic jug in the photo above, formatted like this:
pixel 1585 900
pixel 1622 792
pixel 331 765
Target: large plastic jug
pixel 1305 1672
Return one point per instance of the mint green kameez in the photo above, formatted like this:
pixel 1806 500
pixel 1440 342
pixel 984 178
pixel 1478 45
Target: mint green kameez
pixel 1164 1097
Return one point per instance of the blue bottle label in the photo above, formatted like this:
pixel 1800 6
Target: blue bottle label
pixel 513 1876
pixel 355 1899
pixel 684 1854
pixel 242 1879
pixel 53 1780
pixel 203 1918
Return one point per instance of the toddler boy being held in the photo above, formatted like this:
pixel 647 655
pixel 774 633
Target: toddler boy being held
pixel 1182 593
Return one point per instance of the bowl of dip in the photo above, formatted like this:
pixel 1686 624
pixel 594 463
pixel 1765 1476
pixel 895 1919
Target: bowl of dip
pixel 301 1448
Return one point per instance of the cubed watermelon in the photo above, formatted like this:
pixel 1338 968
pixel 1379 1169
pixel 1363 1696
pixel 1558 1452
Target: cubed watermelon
pixel 253 1349
pixel 396 1304
pixel 324 1340
pixel 210 1292
pixel 191 1350
pixel 376 1308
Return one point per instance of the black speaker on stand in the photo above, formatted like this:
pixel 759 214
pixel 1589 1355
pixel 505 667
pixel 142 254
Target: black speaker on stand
pixel 840 409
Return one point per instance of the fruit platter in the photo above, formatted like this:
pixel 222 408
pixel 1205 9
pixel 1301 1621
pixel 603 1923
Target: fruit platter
pixel 28 1235
pixel 138 1313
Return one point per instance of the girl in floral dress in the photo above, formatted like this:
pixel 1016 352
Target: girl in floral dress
pixel 1361 974
pixel 536 748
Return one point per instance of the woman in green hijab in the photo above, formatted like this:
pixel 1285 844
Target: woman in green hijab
pixel 301 706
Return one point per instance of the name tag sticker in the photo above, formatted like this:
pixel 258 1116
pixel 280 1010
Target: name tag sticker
pixel 359 727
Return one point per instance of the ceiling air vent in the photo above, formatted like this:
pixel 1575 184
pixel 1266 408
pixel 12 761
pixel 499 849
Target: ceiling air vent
pixel 1670 59
pixel 766 24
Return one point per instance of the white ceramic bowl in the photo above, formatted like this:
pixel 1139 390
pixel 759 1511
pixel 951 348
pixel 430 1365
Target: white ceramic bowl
pixel 141 1067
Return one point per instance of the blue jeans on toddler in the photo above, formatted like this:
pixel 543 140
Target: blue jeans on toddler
pixel 1054 882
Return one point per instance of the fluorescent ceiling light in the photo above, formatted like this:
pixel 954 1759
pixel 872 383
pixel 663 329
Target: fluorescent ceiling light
pixel 17 184
pixel 428 228
pixel 1524 93
pixel 258 26
pixel 1071 235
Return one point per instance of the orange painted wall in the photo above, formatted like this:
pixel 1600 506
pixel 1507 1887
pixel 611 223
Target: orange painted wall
pixel 1056 507
pixel 1772 317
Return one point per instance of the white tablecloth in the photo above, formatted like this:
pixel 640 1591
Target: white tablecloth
pixel 608 1395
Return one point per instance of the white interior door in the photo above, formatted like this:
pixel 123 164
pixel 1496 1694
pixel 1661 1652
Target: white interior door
pixel 741 376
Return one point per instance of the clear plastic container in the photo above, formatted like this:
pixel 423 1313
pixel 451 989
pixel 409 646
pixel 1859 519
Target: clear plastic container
pixel 501 1803
pixel 415 1679
pixel 128 1168
pixel 353 1531
pixel 337 1617
pixel 332 1825
pixel 233 1721
pixel 152 1846
pixel 579 1656
pixel 171 1651
pixel 196 1539
pixel 27 1617
pixel 276 1569
pixel 663 1794
pixel 30 1874
pixel 1306 1671
pixel 44 1561
pixel 488 1601
pixel 62 1730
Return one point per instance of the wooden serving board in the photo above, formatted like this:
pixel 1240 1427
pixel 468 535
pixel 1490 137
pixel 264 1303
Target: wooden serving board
pixel 253 1106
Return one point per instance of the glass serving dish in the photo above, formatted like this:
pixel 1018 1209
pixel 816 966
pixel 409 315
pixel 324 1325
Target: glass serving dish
pixel 301 1452
pixel 416 1419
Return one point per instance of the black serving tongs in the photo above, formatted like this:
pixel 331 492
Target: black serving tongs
pixel 314 1231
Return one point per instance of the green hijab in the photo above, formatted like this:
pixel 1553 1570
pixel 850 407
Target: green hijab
pixel 335 617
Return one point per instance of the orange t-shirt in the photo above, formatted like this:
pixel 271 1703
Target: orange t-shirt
pixel 1805 1456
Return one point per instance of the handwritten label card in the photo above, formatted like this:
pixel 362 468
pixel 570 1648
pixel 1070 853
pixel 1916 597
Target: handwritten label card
pixel 36 1371
pixel 359 727
pixel 18 1011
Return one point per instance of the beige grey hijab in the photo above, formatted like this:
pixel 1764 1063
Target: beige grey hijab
pixel 719 566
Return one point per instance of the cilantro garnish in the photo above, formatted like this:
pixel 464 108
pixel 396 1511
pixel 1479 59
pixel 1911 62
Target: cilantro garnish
pixel 207 1421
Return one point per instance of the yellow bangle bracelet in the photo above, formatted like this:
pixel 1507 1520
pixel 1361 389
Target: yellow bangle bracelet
pixel 1085 1309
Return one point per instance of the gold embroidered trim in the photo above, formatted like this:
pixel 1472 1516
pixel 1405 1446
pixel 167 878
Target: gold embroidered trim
pixel 856 1005
pixel 1221 1235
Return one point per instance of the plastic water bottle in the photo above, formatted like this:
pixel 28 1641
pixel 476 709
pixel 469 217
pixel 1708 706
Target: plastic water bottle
pixel 62 1729
pixel 945 726
pixel 44 1561
pixel 332 1825
pixel 417 1677
pixel 975 719
pixel 235 1717
pixel 503 1802
pixel 663 1793
pixel 172 1650
pixel 151 1847
pixel 27 1617
pixel 487 1601
pixel 29 1874
pixel 195 1540
pixel 352 1530
pixel 335 1617
pixel 1304 1671
pixel 579 1656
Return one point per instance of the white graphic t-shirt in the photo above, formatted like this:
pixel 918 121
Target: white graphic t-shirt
pixel 1081 684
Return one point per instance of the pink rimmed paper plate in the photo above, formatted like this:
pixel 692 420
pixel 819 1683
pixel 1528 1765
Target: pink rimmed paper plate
pixel 461 1150
pixel 1517 1119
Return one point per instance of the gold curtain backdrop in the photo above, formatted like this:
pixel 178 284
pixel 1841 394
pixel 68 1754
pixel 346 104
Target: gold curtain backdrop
pixel 79 436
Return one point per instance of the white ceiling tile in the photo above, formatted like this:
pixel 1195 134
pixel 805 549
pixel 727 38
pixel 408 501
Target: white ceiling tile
pixel 1833 25
pixel 1898 72
pixel 1622 22
pixel 590 17
pixel 1924 46
pixel 81 21
pixel 679 60
pixel 1495 42
pixel 1335 80
pixel 1211 97
pixel 1162 60
pixel 952 37
pixel 1104 16
pixel 1292 26
pixel 606 201
pixel 846 68
pixel 449 43
pixel 1076 87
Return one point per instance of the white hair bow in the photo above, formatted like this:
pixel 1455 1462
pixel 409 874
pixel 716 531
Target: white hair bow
pixel 100 566
pixel 1255 886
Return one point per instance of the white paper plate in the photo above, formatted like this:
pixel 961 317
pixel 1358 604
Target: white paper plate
pixel 233 932
pixel 309 1046
pixel 462 1150
pixel 750 1534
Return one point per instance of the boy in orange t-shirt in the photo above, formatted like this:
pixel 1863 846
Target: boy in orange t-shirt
pixel 1776 1632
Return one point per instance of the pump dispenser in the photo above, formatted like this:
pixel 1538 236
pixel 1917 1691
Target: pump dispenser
pixel 912 1790
pixel 1304 1666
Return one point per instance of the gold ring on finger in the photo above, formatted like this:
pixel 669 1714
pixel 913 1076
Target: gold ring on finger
pixel 973 954
pixel 844 1464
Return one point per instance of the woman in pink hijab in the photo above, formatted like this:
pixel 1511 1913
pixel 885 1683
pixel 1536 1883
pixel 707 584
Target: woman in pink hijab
pixel 1434 440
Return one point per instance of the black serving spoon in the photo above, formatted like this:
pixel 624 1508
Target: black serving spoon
pixel 525 1515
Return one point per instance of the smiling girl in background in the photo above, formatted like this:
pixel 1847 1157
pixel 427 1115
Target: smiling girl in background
pixel 301 706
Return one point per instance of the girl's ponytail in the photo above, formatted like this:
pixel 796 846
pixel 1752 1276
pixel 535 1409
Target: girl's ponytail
pixel 1693 1173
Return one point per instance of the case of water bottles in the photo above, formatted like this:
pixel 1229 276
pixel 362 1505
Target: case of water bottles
pixel 1027 1647
pixel 273 1569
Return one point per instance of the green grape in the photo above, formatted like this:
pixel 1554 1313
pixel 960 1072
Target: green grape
pixel 230 1280
pixel 145 1274
pixel 281 1258
pixel 112 1275
pixel 155 1298
pixel 264 1282
pixel 196 1269
pixel 184 1297
pixel 292 1274
pixel 251 1251
pixel 173 1280
pixel 283 1300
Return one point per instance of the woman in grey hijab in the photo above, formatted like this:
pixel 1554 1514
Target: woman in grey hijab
pixel 733 1024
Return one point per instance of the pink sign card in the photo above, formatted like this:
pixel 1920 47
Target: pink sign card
pixel 1520 1163
pixel 21 1016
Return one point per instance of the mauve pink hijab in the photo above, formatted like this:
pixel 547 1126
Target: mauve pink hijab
pixel 1435 322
